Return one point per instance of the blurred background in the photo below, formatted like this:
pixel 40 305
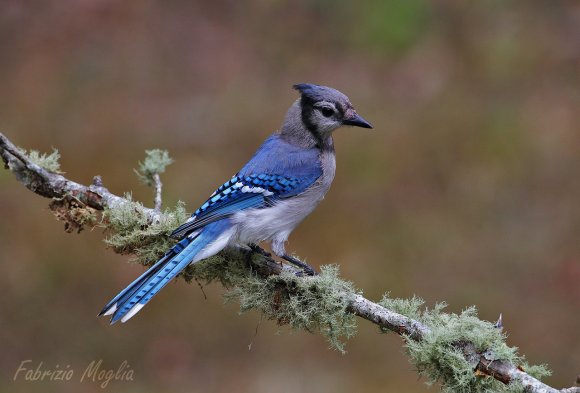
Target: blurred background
pixel 470 181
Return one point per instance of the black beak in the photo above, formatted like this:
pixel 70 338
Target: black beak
pixel 357 121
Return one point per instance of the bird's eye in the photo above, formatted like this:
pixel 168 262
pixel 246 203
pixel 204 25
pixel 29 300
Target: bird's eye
pixel 326 112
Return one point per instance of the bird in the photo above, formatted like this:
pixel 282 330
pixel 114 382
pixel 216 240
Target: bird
pixel 283 182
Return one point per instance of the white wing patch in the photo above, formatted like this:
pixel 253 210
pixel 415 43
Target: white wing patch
pixel 256 190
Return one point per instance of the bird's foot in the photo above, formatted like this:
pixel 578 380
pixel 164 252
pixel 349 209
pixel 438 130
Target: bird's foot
pixel 306 268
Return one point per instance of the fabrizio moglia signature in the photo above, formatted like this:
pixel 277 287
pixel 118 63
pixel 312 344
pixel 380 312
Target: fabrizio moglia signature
pixel 94 373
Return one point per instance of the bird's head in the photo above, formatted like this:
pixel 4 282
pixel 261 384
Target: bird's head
pixel 325 109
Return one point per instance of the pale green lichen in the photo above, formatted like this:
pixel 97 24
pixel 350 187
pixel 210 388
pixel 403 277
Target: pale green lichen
pixel 313 304
pixel 439 355
pixel 228 268
pixel 155 162
pixel 537 371
pixel 44 160
pixel 133 233
pixel 408 307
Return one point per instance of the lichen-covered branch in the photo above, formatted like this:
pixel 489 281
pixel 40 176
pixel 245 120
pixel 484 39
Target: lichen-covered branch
pixel 155 163
pixel 158 187
pixel 461 351
pixel 39 179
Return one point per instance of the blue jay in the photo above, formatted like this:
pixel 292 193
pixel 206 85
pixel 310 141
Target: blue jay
pixel 282 183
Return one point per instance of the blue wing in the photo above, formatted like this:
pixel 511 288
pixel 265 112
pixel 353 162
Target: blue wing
pixel 278 170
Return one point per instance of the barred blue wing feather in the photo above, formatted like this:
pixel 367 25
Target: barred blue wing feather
pixel 240 193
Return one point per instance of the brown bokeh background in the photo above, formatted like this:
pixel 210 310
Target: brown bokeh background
pixel 467 190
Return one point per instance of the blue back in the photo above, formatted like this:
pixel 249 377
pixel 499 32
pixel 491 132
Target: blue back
pixel 278 157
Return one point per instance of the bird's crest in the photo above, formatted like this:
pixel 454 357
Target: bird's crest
pixel 317 93
pixel 305 88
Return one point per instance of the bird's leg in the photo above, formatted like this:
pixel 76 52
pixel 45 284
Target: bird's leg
pixel 254 247
pixel 309 270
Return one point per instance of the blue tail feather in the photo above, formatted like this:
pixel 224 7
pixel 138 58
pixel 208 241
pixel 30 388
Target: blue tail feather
pixel 129 301
pixel 131 288
pixel 169 270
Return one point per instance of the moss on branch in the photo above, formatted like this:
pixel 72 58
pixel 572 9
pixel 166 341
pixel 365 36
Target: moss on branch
pixel 314 304
pixel 155 162
pixel 48 161
pixel 131 231
pixel 445 353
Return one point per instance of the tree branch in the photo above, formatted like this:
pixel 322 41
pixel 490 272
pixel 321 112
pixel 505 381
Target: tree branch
pixel 158 186
pixel 54 185
pixel 96 196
